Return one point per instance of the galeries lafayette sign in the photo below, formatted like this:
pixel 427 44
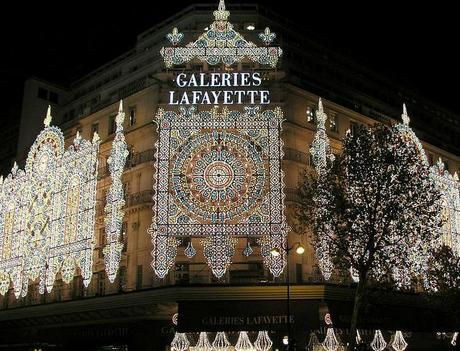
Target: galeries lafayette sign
pixel 219 88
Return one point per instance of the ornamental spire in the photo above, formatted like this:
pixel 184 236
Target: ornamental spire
pixel 320 148
pixel 221 14
pixel 404 116
pixel 120 117
pixel 48 117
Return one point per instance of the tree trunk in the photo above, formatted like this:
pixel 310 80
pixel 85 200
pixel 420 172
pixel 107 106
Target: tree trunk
pixel 354 317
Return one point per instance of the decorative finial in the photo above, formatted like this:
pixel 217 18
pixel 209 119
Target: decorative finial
pixel 456 176
pixel 47 120
pixel 175 37
pixel 221 14
pixel 120 117
pixel 404 116
pixel 321 117
pixel 1 180
pixel 267 36
pixel 15 168
pixel 440 165
pixel 96 137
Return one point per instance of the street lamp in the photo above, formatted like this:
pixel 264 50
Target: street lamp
pixel 299 249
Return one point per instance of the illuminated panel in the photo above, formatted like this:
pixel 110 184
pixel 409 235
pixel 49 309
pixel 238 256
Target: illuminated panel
pixel 218 177
pixel 49 210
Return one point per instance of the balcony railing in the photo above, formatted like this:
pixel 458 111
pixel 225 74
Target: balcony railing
pixel 133 160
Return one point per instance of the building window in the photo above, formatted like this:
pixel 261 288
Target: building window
pixel 124 236
pixel 139 277
pixel 182 273
pixel 101 284
pixel 298 273
pixel 132 116
pixel 334 123
pixel 430 158
pixel 42 94
pixel 94 128
pixel 310 114
pixel 53 97
pixel 354 126
pixel 102 237
pixel 112 125
pixel 446 165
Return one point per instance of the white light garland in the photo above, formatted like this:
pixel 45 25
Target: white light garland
pixel 221 343
pixel 378 343
pixel 180 342
pixel 263 341
pixel 115 199
pixel 321 153
pixel 212 174
pixel 453 342
pixel 243 343
pixel 331 343
pixel 314 344
pixel 221 44
pixel 203 343
pixel 399 344
pixel 47 213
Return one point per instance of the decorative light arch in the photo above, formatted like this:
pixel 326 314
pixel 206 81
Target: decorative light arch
pixel 47 211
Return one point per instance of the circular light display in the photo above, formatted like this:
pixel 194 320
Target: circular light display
pixel 218 176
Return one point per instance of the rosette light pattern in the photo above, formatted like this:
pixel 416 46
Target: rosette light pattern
pixel 399 344
pixel 263 341
pixel 47 213
pixel 115 199
pixel 180 342
pixel 221 44
pixel 378 343
pixel 218 177
pixel 243 343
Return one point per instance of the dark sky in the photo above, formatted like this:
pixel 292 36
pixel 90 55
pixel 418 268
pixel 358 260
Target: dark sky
pixel 418 45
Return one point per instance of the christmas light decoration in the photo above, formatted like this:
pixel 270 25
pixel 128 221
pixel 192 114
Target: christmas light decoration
pixel 449 187
pixel 243 343
pixel 409 254
pixel 314 344
pixel 221 43
pixel 399 344
pixel 221 343
pixel 359 340
pixel 331 343
pixel 247 251
pixel 190 250
pixel 49 209
pixel 218 176
pixel 47 213
pixel 378 343
pixel 203 343
pixel 453 342
pixel 447 184
pixel 180 342
pixel 263 341
pixel 115 199
pixel 321 153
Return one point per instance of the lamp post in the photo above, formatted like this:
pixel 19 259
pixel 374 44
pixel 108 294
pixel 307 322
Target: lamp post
pixel 299 249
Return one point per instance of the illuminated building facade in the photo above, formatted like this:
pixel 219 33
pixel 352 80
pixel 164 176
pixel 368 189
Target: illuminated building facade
pixel 139 274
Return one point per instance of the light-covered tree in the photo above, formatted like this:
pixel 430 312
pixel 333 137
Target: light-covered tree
pixel 373 209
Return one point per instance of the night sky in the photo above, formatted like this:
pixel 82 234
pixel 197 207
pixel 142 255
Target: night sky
pixel 418 46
